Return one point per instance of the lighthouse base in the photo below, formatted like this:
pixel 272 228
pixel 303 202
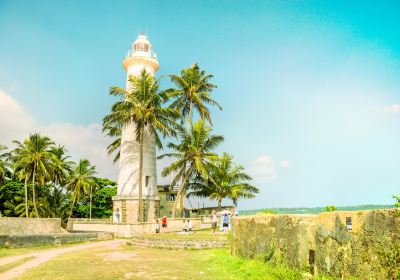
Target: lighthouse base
pixel 126 209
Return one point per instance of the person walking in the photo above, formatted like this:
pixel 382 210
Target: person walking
pixel 158 226
pixel 164 222
pixel 225 222
pixel 189 226
pixel 214 221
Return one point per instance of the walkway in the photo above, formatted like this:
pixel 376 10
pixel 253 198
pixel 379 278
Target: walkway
pixel 44 256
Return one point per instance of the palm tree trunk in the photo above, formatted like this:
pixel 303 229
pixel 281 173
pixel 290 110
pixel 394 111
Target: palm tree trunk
pixel 190 114
pixel 72 208
pixel 219 204
pixel 26 196
pixel 181 200
pixel 140 212
pixel 34 193
pixel 90 204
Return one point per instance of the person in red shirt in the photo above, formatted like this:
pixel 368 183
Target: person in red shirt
pixel 164 222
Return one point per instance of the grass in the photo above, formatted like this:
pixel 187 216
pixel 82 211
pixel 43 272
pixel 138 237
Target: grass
pixel 11 265
pixel 198 235
pixel 8 252
pixel 126 262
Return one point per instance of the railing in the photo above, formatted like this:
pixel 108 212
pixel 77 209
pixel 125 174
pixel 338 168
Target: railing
pixel 138 53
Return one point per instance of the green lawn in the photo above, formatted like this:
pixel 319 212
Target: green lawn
pixel 126 262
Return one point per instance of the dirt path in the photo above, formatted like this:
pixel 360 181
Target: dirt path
pixel 44 256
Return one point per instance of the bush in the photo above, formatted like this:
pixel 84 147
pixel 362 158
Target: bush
pixel 390 258
pixel 397 204
pixel 330 208
pixel 269 211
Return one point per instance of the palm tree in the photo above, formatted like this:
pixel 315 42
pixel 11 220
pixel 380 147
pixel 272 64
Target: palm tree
pixel 61 170
pixel 193 93
pixel 33 161
pixel 115 132
pixel 192 156
pixel 81 181
pixel 142 107
pixel 226 180
pixel 3 164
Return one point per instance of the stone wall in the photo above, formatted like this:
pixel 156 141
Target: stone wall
pixel 13 241
pixel 322 243
pixel 129 230
pixel 20 226
pixel 177 244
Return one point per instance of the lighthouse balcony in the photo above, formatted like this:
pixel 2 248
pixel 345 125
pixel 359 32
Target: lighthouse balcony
pixel 141 53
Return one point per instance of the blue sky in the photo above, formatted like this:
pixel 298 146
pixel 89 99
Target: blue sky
pixel 309 89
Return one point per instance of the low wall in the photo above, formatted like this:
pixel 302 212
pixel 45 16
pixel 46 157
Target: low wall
pixel 130 230
pixel 177 244
pixel 323 243
pixel 13 241
pixel 14 226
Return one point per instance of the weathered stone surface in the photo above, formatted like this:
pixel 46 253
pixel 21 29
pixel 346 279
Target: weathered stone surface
pixel 11 225
pixel 335 250
pixel 13 241
pixel 177 244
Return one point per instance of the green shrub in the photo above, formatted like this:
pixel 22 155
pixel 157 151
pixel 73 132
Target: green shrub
pixel 330 208
pixel 269 211
pixel 390 258
pixel 397 204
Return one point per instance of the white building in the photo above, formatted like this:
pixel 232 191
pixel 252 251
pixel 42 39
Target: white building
pixel 126 203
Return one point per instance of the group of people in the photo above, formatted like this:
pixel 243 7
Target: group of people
pixel 163 223
pixel 225 221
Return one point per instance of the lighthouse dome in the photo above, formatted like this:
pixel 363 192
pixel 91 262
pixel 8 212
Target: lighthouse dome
pixel 141 43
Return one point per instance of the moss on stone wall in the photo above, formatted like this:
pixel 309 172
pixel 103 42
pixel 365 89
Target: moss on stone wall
pixel 323 244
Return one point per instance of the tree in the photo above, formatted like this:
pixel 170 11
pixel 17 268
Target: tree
pixel 62 167
pixel 226 180
pixel 397 204
pixel 102 200
pixel 330 208
pixel 193 93
pixel 82 181
pixel 142 107
pixel 33 161
pixel 3 165
pixel 114 131
pixel 192 156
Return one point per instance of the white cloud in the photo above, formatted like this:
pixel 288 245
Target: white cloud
pixel 394 108
pixel 81 141
pixel 285 163
pixel 263 168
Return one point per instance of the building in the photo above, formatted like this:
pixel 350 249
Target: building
pixel 126 202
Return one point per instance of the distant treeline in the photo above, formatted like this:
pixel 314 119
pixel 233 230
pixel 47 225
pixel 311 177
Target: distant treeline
pixel 316 210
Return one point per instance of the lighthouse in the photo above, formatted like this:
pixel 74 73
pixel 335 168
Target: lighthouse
pixel 126 202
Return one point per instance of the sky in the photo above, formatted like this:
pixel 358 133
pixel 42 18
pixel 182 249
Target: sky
pixel 310 90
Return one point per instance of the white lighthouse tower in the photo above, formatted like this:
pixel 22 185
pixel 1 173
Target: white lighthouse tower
pixel 126 203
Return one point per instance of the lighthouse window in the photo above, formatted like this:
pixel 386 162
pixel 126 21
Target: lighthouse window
pixel 147 181
pixel 141 47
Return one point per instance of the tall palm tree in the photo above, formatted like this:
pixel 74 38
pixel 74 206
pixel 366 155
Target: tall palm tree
pixel 114 131
pixel 226 180
pixel 61 170
pixel 192 156
pixel 3 164
pixel 193 93
pixel 82 181
pixel 142 107
pixel 33 161
pixel 62 167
